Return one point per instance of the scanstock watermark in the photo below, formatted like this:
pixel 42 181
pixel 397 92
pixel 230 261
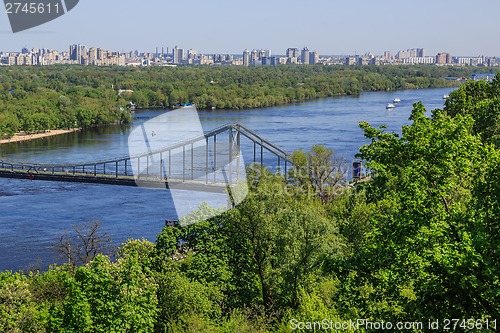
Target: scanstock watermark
pixel 179 153
pixel 355 325
pixel 470 324
pixel 25 15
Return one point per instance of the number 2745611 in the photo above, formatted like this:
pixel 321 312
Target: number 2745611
pixel 32 8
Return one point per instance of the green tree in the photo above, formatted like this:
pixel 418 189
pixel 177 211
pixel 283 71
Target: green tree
pixel 481 101
pixel 18 311
pixel 279 241
pixel 420 257
pixel 317 170
pixel 9 125
pixel 77 311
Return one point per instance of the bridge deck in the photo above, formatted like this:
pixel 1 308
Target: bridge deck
pixel 177 184
pixel 203 163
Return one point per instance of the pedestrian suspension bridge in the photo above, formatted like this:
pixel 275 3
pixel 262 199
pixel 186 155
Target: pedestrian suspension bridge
pixel 209 162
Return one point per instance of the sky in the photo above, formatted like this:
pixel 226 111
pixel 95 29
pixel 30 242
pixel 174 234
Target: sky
pixel 459 27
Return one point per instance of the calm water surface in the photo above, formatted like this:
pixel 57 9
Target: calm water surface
pixel 33 215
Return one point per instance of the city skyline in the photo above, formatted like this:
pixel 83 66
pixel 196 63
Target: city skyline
pixel 81 54
pixel 329 27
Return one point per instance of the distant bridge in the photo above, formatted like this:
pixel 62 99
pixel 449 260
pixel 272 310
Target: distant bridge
pixel 209 162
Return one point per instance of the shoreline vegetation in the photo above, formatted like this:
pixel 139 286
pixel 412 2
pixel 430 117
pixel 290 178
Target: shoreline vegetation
pixel 21 136
pixel 37 99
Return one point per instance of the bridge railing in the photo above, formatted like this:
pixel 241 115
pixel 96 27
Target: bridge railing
pixel 202 158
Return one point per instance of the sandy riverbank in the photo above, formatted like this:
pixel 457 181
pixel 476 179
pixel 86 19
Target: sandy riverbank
pixel 25 137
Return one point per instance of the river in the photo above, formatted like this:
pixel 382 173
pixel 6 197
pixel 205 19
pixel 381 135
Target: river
pixel 34 214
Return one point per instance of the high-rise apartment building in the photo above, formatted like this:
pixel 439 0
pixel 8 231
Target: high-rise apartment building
pixel 313 58
pixel 100 53
pixel 246 58
pixel 77 52
pixel 304 56
pixel 265 53
pixel 72 52
pixel 93 55
pixel 411 53
pixel 254 57
pixel 292 52
pixel 443 58
pixel 292 55
pixel 178 55
pixel 387 56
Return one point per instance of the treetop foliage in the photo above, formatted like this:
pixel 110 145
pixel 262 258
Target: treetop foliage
pixel 57 97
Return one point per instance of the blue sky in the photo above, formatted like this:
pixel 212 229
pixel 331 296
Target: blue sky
pixel 222 26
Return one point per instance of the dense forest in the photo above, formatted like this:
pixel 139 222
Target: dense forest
pixel 58 97
pixel 417 242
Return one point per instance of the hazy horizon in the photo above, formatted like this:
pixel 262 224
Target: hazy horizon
pixel 458 27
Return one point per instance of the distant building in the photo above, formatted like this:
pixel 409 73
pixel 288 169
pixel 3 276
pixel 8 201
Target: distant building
pixel 77 52
pixel 270 61
pixel 292 55
pixel 469 61
pixel 388 57
pixel 282 60
pixel 351 61
pixel 483 77
pixel 246 58
pixel 313 57
pixel 254 57
pixel 178 55
pixel 265 61
pixel 93 56
pixel 237 62
pixel 410 53
pixel 419 60
pixel 443 58
pixel 292 52
pixel 363 61
pixel 265 53
pixel 101 54
pixel 304 56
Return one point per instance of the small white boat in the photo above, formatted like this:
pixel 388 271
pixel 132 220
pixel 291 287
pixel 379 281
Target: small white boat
pixel 390 106
pixel 445 96
pixel 396 100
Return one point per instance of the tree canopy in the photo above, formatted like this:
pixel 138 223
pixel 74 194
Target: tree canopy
pixel 56 97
